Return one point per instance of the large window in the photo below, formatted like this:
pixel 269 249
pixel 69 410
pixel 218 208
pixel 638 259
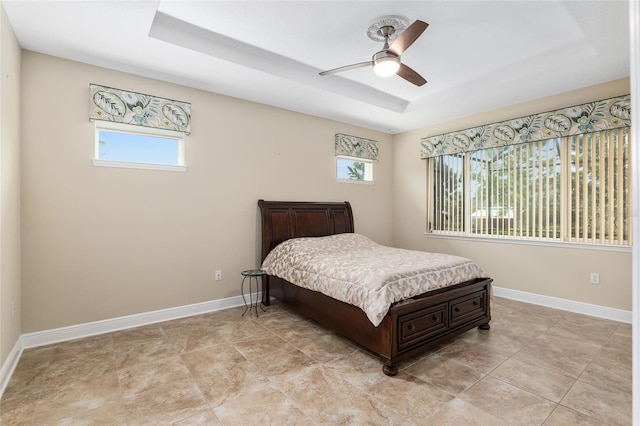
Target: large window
pixel 572 189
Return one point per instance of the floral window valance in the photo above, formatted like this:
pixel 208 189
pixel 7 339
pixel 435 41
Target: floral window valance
pixel 353 146
pixel 123 106
pixel 586 118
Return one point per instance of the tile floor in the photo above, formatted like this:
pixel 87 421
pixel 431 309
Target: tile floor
pixel 535 366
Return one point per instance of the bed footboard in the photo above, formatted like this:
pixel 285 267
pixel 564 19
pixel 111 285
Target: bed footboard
pixel 409 328
pixel 424 322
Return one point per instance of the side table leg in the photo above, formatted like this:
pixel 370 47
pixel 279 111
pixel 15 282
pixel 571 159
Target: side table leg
pixel 242 292
pixel 257 301
pixel 258 286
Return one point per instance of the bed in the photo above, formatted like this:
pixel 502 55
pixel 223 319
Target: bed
pixel 409 327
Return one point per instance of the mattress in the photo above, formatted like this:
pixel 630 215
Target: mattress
pixel 354 269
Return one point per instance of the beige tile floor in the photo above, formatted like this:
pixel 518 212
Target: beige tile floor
pixel 535 366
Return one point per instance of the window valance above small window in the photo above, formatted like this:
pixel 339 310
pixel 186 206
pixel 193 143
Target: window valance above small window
pixel 352 146
pixel 591 117
pixel 123 106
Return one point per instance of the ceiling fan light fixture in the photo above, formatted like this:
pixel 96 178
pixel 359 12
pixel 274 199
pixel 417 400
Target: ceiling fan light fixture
pixel 385 64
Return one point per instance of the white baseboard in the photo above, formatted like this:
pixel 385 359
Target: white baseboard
pixel 565 304
pixel 56 335
pixel 9 366
pixel 47 337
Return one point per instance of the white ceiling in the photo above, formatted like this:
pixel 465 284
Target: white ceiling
pixel 476 55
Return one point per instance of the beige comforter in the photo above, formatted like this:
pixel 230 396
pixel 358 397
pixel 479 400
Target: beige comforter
pixel 354 269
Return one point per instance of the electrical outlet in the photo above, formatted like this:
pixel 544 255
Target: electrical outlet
pixel 219 275
pixel 595 278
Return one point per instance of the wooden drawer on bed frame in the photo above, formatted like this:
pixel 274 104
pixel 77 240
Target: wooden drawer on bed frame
pixel 466 308
pixel 421 326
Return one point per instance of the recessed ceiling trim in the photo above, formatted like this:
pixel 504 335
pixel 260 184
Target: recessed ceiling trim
pixel 562 46
pixel 181 33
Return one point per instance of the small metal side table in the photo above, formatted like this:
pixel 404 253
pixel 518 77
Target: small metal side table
pixel 254 275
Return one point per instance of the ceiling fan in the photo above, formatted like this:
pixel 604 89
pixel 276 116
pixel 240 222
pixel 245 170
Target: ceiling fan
pixel 387 62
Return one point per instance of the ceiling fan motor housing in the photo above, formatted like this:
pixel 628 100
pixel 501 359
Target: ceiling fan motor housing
pixel 385 63
pixel 386 31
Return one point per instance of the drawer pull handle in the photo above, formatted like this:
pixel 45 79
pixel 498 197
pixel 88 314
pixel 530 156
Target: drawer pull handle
pixel 457 309
pixel 411 327
pixel 434 318
pixel 475 303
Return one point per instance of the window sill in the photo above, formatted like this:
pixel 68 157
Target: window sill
pixel 356 181
pixel 145 166
pixel 555 244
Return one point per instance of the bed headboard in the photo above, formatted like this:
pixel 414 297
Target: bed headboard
pixel 282 220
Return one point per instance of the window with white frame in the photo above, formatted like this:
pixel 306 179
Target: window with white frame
pixel 354 169
pixel 137 130
pixel 354 158
pixel 122 145
pixel 572 189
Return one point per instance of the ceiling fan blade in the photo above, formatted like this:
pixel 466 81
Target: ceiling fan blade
pixel 407 37
pixel 410 75
pixel 347 68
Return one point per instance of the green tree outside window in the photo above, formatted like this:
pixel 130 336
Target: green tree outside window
pixel 356 171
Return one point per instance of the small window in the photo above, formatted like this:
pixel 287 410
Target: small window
pixel 351 169
pixel 121 145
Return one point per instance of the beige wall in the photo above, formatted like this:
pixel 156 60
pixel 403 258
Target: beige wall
pixel 556 272
pixel 103 242
pixel 100 243
pixel 9 187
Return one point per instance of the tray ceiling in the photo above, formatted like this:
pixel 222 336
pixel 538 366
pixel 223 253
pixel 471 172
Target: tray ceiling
pixel 476 55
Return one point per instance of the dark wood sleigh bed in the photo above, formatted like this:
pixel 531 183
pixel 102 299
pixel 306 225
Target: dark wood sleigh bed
pixel 411 326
